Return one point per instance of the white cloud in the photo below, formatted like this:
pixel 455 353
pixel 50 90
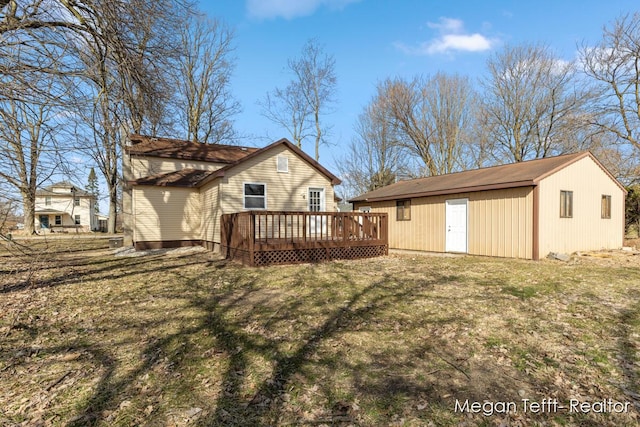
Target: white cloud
pixel 447 25
pixel 452 38
pixel 290 9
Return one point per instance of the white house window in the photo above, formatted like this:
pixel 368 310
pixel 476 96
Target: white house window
pixel 76 201
pixel 364 209
pixel 283 164
pixel 47 200
pixel 58 220
pixel 77 218
pixel 255 195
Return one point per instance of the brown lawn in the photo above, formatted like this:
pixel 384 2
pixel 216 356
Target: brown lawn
pixel 184 338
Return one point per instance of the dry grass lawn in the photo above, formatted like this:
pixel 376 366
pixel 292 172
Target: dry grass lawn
pixel 184 338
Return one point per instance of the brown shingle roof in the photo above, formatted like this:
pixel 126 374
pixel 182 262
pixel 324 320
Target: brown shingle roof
pixel 181 178
pixel 180 149
pixel 196 178
pixel 521 174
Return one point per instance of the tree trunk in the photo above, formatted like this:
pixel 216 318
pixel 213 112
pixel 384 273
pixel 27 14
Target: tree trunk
pixel 29 208
pixel 113 209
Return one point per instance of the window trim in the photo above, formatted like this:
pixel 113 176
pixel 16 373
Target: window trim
pixel 286 163
pixel 403 206
pixel 76 219
pixel 244 196
pixel 76 201
pixel 566 204
pixel 57 220
pixel 605 206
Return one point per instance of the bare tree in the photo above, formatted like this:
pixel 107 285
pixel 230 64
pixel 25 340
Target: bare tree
pixel 288 108
pixel 123 48
pixel 614 66
pixel 531 101
pixel 309 96
pixel 205 103
pixel 30 152
pixel 434 118
pixel 374 157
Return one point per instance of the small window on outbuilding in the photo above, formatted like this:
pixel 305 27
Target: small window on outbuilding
pixel 566 204
pixel 403 210
pixel 283 164
pixel 605 206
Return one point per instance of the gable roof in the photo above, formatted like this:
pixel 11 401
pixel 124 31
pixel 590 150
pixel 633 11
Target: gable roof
pixel 197 178
pixel 220 172
pixel 147 146
pixel 522 174
pixel 48 191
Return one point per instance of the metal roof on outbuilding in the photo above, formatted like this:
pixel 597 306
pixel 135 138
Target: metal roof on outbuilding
pixel 513 175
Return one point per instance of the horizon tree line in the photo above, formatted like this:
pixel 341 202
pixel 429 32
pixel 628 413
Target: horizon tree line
pixel 84 75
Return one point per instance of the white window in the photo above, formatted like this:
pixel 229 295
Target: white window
pixel 255 195
pixel 77 219
pixel 364 209
pixel 47 200
pixel 283 164
pixel 58 220
pixel 76 201
pixel 316 200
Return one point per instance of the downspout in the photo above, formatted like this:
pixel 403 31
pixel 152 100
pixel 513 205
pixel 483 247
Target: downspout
pixel 536 223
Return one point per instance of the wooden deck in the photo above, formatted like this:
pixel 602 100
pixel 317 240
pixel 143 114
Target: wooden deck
pixel 275 237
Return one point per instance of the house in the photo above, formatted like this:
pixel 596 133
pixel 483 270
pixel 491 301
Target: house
pixel 64 206
pixel 176 191
pixel 526 210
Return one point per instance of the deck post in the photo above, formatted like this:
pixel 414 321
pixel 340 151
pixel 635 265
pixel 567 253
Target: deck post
pixel 252 237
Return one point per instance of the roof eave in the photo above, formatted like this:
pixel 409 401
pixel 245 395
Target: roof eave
pixel 468 189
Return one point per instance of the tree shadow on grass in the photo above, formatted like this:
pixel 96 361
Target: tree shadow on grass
pixel 628 326
pixel 229 299
pixel 125 268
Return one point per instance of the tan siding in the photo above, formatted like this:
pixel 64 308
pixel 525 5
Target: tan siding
pixel 500 223
pixel 166 213
pixel 425 230
pixel 210 203
pixel 586 230
pixel 147 166
pixel 285 191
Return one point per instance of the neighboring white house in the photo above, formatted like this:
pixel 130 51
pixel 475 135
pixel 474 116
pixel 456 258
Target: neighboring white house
pixel 63 207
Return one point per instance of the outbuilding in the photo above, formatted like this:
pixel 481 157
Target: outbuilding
pixel 525 210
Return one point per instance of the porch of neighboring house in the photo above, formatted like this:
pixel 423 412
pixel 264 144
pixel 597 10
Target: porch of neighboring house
pixel 54 221
pixel 258 238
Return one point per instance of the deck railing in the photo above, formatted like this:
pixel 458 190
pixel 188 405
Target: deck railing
pixel 268 237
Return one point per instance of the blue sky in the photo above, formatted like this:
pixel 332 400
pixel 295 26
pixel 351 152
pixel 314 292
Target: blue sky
pixel 375 39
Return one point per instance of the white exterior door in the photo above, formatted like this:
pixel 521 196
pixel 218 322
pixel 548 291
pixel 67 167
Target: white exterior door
pixel 456 225
pixel 317 224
